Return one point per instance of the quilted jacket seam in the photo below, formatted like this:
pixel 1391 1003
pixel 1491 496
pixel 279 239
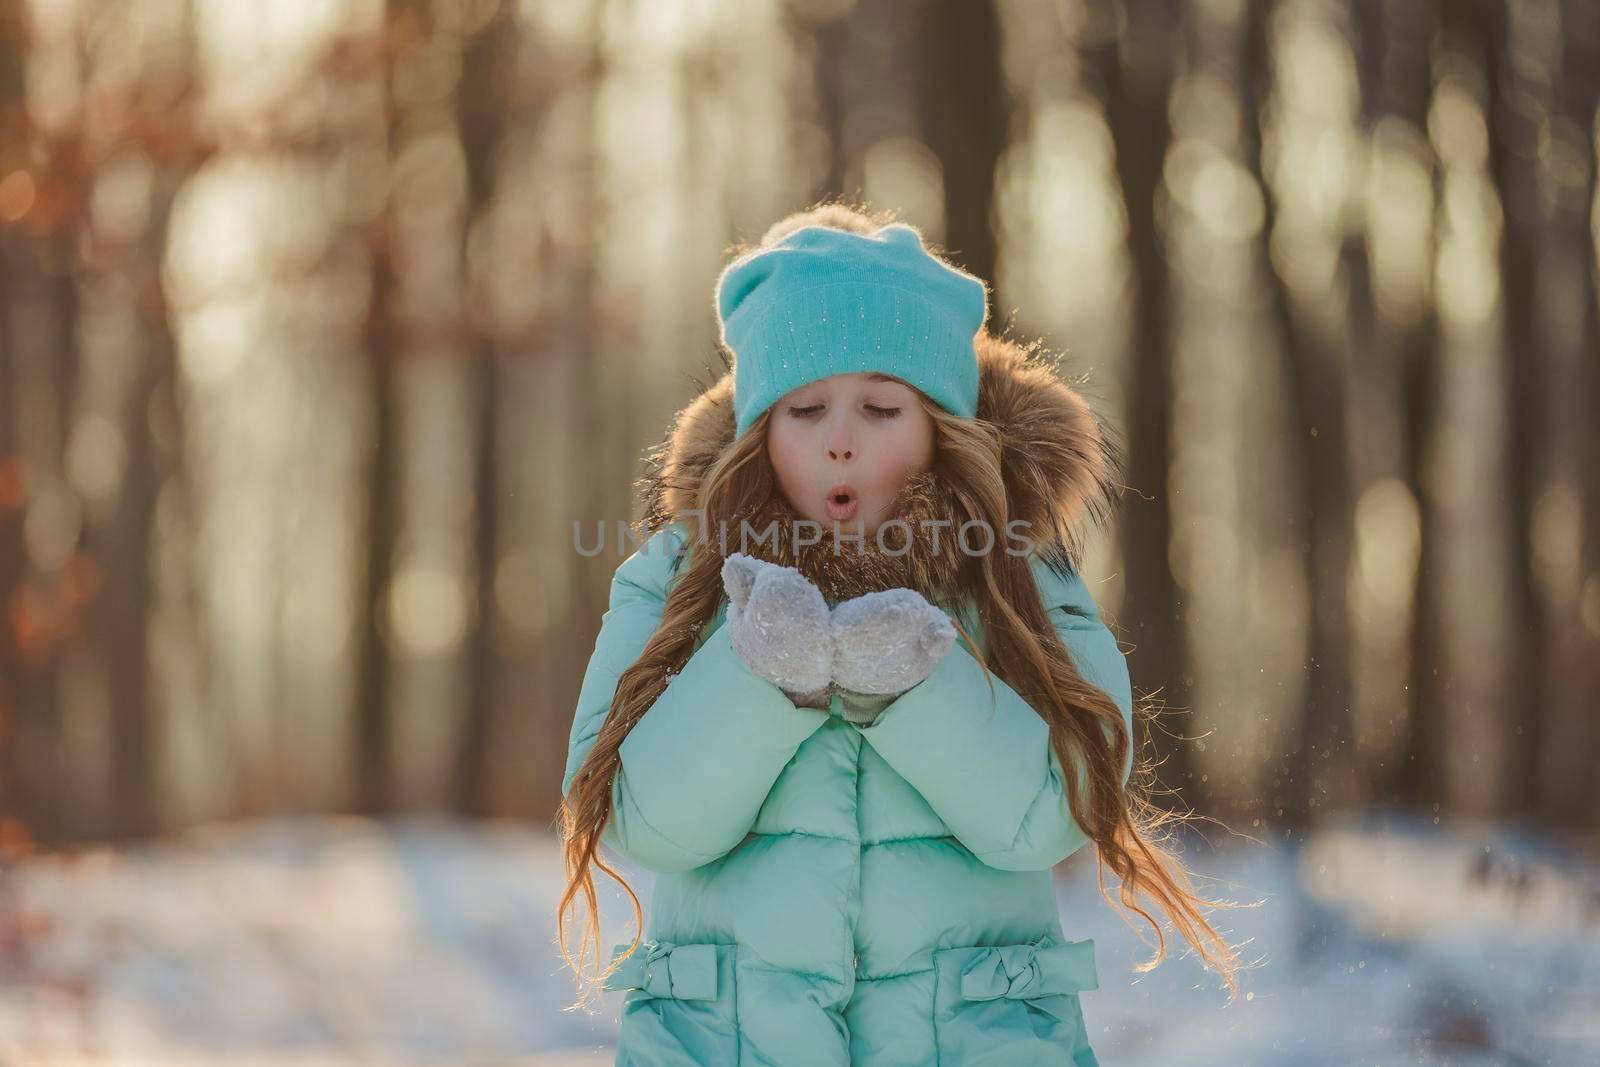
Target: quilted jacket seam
pixel 802 833
pixel 911 837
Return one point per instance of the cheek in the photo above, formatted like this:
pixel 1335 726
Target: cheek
pixel 784 449
pixel 900 458
pixel 911 449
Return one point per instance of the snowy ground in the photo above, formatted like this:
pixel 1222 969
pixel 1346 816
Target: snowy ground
pixel 341 942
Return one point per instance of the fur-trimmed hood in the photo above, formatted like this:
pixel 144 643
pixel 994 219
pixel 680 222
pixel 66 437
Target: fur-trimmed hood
pixel 1059 462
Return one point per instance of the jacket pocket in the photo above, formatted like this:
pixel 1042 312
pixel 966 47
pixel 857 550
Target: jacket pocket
pixel 1015 1005
pixel 679 1011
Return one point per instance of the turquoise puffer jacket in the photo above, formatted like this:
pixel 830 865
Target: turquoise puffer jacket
pixel 829 893
pixel 833 894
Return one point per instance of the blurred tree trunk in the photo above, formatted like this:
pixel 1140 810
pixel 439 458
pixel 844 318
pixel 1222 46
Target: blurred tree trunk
pixel 830 43
pixel 122 612
pixel 487 62
pixel 590 404
pixel 1396 38
pixel 580 481
pixel 1581 804
pixel 1134 72
pixel 16 697
pixel 1322 369
pixel 1315 370
pixel 44 610
pixel 1581 105
pixel 58 576
pixel 1514 130
pixel 963 111
pixel 1571 795
pixel 405 24
pixel 120 615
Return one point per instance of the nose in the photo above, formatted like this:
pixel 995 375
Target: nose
pixel 840 440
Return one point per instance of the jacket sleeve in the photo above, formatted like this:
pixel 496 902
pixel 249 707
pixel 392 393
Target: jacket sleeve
pixel 697 766
pixel 993 777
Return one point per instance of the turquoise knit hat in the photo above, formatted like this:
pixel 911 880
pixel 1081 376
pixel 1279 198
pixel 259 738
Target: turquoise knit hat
pixel 824 301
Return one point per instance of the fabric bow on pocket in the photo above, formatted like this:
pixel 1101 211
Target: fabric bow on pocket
pixel 1026 972
pixel 663 969
pixel 680 1011
pixel 1013 1005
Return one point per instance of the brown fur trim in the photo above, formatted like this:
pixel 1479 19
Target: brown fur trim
pixel 1058 462
pixel 914 554
pixel 1060 465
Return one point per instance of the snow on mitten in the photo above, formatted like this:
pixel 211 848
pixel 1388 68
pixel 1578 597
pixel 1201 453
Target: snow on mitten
pixel 778 622
pixel 887 642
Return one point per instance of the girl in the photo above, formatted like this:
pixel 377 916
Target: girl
pixel 853 815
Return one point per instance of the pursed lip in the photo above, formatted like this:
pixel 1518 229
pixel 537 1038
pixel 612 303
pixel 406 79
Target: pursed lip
pixel 846 510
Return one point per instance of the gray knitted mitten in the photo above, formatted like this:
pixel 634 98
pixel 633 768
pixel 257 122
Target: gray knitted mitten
pixel 883 644
pixel 778 622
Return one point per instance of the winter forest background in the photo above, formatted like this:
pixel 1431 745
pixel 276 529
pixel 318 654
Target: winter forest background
pixel 323 323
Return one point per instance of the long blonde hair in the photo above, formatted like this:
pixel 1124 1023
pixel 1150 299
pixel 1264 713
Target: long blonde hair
pixel 1086 725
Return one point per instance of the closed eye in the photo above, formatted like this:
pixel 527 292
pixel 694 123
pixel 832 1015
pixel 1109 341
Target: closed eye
pixel 872 409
